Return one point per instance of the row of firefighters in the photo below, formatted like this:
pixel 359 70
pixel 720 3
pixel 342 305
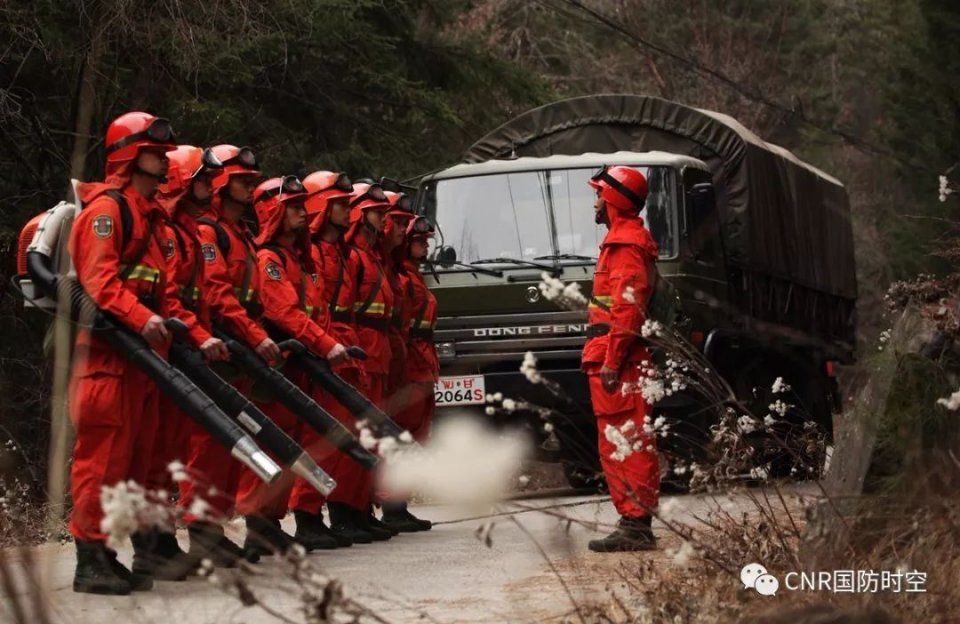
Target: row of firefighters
pixel 331 263
pixel 335 266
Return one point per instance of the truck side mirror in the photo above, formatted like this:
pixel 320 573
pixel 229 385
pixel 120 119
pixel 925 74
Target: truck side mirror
pixel 447 256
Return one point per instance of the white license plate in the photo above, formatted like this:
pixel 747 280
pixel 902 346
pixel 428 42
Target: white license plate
pixel 467 390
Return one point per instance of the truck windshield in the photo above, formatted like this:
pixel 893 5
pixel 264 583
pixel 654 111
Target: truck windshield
pixel 531 214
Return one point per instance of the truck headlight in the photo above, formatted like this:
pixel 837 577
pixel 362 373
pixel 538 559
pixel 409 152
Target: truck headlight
pixel 446 350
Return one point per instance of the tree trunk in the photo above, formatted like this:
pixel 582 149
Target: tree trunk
pixel 86 102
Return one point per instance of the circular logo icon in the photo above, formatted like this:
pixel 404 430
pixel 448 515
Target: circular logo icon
pixel 533 294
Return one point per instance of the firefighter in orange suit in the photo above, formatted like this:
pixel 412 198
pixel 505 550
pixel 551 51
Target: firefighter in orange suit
pixel 292 298
pixel 421 369
pixel 183 196
pixel 392 251
pixel 230 290
pixel 114 406
pixel 328 216
pixel 372 311
pixel 613 352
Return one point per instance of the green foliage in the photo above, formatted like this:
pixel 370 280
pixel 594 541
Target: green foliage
pixel 369 87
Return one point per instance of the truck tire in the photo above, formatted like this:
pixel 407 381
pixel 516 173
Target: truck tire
pixel 580 457
pixel 810 396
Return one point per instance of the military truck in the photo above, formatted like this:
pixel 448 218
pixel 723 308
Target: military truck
pixel 757 243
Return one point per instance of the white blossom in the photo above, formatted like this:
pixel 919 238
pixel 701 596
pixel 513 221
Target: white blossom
pixel 652 390
pixel 779 407
pixel 387 446
pixel 746 424
pixel 670 506
pixel 779 386
pixel 615 436
pixel 127 507
pixel 406 437
pixel 554 289
pixel 498 397
pixel 945 189
pixel 464 462
pixel 759 472
pixel 367 439
pixel 490 411
pixel 523 480
pixel 199 508
pixel 547 427
pixel 769 420
pixel 650 328
pixel 489 398
pixel 509 405
pixel 952 402
pixel 682 556
pixel 529 368
pixel 572 294
pixel 178 471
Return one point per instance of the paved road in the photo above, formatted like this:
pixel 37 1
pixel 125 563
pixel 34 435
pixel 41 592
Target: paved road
pixel 448 574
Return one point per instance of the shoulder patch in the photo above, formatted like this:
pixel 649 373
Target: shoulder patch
pixel 209 251
pixel 169 248
pixel 273 271
pixel 103 226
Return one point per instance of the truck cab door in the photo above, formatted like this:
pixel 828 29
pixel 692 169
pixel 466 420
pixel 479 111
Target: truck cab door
pixel 702 254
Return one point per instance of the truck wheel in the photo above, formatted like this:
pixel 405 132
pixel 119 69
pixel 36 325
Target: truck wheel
pixel 580 458
pixel 810 396
pixel 583 479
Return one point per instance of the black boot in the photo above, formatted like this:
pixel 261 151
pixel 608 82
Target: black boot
pixel 207 541
pixel 344 520
pixel 158 554
pixel 138 581
pixel 265 537
pixel 397 516
pixel 378 530
pixel 631 534
pixel 312 533
pixel 95 573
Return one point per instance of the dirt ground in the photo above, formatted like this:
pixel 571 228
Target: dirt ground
pixel 534 569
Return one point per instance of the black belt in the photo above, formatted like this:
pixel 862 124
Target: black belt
pixel 375 322
pixel 396 322
pixel 598 329
pixel 342 316
pixel 424 333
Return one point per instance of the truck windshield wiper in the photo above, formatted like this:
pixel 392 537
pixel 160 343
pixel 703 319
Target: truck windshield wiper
pixel 492 272
pixel 506 260
pixel 565 256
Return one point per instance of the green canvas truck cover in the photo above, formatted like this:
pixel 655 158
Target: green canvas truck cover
pixel 786 225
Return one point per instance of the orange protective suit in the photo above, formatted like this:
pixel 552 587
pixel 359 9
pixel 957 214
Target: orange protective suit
pixel 113 405
pixel 625 254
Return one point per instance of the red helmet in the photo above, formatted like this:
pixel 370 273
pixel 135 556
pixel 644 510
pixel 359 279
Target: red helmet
pixel 623 188
pixel 269 200
pixel 324 187
pixel 420 228
pixel 366 197
pixel 186 163
pixel 131 132
pixel 235 161
pixel 400 210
